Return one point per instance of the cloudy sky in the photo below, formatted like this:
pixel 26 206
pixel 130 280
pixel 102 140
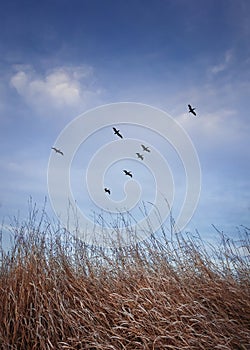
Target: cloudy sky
pixel 61 58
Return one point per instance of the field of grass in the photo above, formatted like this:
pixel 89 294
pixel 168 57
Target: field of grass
pixel 58 293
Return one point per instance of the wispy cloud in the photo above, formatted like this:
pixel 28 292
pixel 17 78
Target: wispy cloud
pixel 26 173
pixel 59 88
pixel 223 65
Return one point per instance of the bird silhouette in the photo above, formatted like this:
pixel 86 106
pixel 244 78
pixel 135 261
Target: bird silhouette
pixel 145 148
pixel 107 190
pixel 57 150
pixel 191 110
pixel 126 172
pixel 117 132
pixel 139 155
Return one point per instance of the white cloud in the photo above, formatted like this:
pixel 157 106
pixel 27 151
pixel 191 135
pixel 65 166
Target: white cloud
pixel 221 128
pixel 222 66
pixel 62 87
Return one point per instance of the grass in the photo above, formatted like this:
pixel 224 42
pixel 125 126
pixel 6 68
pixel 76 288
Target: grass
pixel 59 293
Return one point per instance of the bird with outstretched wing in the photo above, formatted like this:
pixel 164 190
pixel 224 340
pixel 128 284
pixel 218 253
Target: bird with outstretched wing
pixel 128 173
pixel 191 110
pixel 145 148
pixel 117 132
pixel 139 155
pixel 107 190
pixel 57 150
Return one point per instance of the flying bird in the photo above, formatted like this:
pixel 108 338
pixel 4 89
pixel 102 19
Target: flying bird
pixel 127 173
pixel 145 148
pixel 191 110
pixel 139 155
pixel 57 150
pixel 117 132
pixel 107 190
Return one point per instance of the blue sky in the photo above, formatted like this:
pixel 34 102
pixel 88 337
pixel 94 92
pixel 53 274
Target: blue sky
pixel 59 59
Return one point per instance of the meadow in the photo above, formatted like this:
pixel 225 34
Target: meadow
pixel 179 293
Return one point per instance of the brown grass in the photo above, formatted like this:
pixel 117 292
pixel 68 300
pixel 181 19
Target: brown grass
pixel 58 293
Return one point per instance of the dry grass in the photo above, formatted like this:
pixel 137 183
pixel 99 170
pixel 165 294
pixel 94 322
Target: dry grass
pixel 58 293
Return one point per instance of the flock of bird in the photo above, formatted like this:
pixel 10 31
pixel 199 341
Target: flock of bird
pixel 139 155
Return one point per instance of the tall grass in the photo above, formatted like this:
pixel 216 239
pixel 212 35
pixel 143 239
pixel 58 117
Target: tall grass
pixel 59 293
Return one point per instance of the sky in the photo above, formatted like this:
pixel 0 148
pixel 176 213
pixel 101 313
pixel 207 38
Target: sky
pixel 60 59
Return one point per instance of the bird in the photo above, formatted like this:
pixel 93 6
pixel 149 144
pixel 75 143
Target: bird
pixel 117 132
pixel 107 190
pixel 191 110
pixel 57 150
pixel 126 172
pixel 145 148
pixel 139 155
